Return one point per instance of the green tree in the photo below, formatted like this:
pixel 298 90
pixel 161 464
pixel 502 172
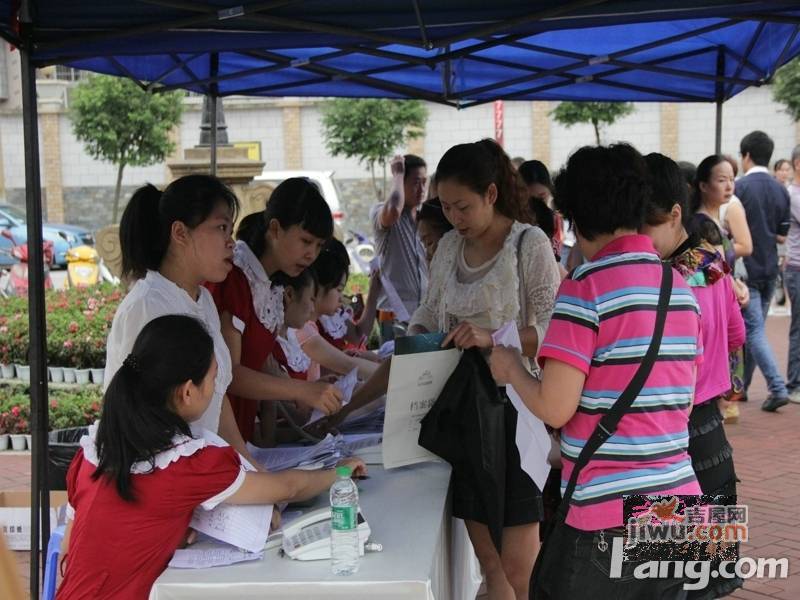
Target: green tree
pixel 371 129
pixel 786 88
pixel 596 113
pixel 120 123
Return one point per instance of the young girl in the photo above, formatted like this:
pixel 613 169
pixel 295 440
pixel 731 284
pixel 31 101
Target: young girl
pixel 473 290
pixel 286 237
pixel 431 226
pixel 339 328
pixel 299 294
pixel 707 273
pixel 139 474
pixel 172 242
pixel 331 270
pixel 601 328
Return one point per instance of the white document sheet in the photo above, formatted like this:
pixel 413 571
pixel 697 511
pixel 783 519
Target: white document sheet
pixel 533 441
pixel 347 385
pixel 242 526
pixel 398 308
pixel 216 556
pixel 415 382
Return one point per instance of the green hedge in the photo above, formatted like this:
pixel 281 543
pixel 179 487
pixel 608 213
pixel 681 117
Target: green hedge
pixel 78 322
pixel 67 408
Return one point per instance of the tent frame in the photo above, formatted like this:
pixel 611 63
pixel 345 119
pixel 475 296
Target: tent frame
pixel 485 35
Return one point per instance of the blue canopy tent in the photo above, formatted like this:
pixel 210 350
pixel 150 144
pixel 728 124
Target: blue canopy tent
pixel 456 52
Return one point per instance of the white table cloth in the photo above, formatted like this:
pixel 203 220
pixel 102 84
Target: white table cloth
pixel 408 512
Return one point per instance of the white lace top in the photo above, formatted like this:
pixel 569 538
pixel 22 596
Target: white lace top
pixel 267 299
pixel 156 296
pixel 335 325
pixel 182 446
pixel 492 298
pixel 296 358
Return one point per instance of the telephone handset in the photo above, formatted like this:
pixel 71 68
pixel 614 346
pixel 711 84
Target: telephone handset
pixel 309 536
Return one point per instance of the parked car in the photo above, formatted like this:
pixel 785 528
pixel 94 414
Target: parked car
pixel 62 236
pixel 323 180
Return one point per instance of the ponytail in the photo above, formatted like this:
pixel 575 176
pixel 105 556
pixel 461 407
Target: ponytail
pixel 138 421
pixel 253 232
pixel 332 265
pixel 480 164
pixel 141 240
pixel 146 225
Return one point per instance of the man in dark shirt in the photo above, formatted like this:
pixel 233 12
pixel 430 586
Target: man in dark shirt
pixel 766 204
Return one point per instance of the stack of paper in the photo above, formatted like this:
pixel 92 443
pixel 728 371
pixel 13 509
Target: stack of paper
pixel 245 527
pixel 371 422
pixel 351 444
pixel 291 457
pixel 211 555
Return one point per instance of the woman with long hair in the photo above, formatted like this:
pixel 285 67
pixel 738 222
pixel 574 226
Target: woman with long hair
pixel 474 275
pixel 287 236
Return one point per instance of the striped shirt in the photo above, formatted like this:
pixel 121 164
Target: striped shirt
pixel 602 325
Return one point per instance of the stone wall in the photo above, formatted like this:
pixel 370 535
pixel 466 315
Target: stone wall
pixel 357 198
pixel 91 207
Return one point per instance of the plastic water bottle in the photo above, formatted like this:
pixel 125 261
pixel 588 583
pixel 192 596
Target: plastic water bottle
pixel 344 523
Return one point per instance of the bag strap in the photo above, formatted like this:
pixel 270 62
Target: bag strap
pixel 523 305
pixel 608 424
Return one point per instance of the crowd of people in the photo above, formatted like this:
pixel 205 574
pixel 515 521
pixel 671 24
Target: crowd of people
pixel 227 339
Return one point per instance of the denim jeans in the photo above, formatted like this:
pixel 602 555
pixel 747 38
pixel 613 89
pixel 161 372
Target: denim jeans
pixel 758 351
pixel 792 281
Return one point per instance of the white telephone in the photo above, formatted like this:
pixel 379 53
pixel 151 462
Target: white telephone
pixel 309 536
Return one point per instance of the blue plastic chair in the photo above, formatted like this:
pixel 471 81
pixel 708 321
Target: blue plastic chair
pixel 51 570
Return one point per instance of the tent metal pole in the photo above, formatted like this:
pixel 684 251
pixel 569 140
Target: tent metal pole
pixel 214 99
pixel 40 502
pixel 720 98
pixel 213 102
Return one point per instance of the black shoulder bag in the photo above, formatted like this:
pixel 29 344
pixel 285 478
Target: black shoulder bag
pixel 549 562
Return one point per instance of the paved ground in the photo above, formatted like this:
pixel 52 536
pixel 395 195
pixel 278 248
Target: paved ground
pixel 766 447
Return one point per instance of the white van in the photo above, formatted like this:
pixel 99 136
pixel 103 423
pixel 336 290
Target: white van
pixel 323 180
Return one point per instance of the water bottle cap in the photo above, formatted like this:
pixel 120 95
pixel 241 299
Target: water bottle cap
pixel 343 471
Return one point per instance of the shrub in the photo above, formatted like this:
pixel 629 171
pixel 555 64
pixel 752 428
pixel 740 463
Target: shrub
pixel 66 408
pixel 78 322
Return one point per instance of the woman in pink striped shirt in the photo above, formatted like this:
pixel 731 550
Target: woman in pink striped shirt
pixel 706 271
pixel 601 328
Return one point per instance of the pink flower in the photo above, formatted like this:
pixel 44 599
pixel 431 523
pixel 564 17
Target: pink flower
pixel 3 329
pixel 68 344
pixel 73 327
pixel 15 411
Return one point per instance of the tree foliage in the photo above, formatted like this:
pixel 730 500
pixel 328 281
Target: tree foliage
pixel 786 88
pixel 596 113
pixel 120 123
pixel 371 129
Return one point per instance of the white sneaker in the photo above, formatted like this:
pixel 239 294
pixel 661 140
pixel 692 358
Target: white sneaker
pixel 795 396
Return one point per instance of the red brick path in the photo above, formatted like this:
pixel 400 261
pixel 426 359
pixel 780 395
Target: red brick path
pixel 766 447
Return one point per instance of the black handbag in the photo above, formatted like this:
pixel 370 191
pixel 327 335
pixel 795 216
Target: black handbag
pixel 549 560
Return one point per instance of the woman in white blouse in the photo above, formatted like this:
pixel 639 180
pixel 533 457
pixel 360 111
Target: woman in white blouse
pixel 474 289
pixel 172 242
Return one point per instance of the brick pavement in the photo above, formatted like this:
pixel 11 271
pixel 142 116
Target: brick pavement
pixel 766 449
